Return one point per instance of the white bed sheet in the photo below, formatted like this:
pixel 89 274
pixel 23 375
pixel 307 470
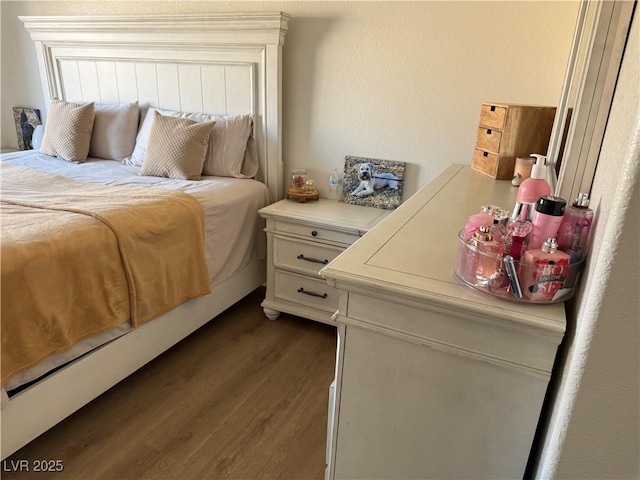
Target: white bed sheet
pixel 231 202
pixel 233 228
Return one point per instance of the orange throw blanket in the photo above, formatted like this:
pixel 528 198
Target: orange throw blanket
pixel 78 259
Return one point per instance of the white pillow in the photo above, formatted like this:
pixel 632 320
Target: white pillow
pixel 227 155
pixel 114 131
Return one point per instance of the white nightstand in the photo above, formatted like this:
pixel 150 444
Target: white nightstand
pixel 301 239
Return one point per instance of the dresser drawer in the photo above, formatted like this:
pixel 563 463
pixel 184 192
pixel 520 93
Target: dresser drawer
pixel 488 139
pixel 316 233
pixel 305 257
pixel 306 291
pixel 493 116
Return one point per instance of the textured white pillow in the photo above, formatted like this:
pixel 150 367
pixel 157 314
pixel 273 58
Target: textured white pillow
pixel 177 147
pixel 231 152
pixel 67 133
pixel 115 128
pixel 142 139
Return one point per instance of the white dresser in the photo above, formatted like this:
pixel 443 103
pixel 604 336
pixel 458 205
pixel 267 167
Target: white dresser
pixel 301 239
pixel 434 379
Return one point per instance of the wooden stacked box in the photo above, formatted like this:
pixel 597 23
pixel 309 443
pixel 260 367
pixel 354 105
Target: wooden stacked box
pixel 507 131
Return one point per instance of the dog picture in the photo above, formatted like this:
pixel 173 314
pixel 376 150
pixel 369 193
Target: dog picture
pixel 373 183
pixel 369 182
pixel 27 131
pixel 26 120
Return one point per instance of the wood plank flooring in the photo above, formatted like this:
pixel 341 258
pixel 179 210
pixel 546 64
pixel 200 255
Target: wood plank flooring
pixel 242 398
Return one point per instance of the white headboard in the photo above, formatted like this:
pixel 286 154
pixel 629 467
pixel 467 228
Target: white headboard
pixel 212 63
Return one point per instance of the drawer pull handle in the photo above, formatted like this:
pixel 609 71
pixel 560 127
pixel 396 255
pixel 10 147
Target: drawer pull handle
pixel 313 294
pixel 488 132
pixel 493 108
pixel 485 154
pixel 314 233
pixel 313 260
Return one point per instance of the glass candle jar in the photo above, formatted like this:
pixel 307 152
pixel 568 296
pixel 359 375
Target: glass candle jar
pixel 522 170
pixel 298 178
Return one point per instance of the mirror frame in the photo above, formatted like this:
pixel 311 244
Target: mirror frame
pixel 599 40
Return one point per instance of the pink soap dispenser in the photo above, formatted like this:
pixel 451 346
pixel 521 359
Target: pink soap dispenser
pixel 532 188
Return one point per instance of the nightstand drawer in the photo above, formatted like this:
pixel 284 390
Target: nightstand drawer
pixel 301 239
pixel 488 139
pixel 316 233
pixel 306 291
pixel 305 257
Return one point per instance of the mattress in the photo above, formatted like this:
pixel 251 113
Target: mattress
pixel 233 228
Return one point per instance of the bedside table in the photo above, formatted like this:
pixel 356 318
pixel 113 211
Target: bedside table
pixel 301 239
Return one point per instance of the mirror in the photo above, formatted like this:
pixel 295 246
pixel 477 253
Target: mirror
pixel 596 53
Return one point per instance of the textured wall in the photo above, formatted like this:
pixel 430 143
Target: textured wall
pixel 404 81
pixel 390 80
pixel 595 427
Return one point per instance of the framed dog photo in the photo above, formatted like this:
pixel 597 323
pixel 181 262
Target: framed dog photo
pixel 26 120
pixel 373 183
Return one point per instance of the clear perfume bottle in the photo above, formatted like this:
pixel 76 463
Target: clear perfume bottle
pixel 483 258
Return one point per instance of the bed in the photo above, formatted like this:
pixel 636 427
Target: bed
pixel 224 64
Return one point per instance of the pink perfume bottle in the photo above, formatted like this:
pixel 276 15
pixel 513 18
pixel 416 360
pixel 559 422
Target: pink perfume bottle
pixel 518 234
pixel 474 222
pixel 574 229
pixel 543 271
pixel 481 260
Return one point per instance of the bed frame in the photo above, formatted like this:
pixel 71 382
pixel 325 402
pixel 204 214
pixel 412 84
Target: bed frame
pixel 219 63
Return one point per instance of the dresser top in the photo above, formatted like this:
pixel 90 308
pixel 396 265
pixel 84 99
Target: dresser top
pixel 323 212
pixel 412 252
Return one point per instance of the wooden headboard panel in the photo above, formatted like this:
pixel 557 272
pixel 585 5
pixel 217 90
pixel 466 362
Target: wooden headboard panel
pixel 214 63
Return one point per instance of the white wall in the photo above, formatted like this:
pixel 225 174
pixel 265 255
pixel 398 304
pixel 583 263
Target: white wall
pixel 391 80
pixel 404 81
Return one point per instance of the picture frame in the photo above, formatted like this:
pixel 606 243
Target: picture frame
pixel 373 182
pixel 26 120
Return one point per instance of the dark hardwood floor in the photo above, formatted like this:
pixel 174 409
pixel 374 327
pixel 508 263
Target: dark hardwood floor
pixel 241 398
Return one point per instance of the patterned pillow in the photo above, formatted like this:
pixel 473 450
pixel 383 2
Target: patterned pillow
pixel 146 120
pixel 176 148
pixel 67 132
